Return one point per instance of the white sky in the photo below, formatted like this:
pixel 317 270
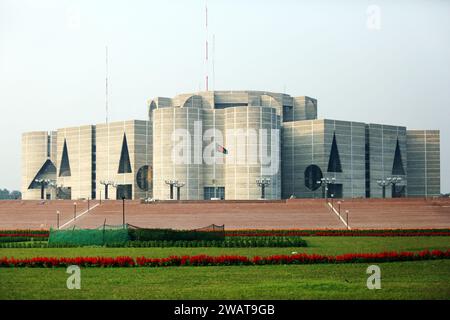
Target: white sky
pixel 52 61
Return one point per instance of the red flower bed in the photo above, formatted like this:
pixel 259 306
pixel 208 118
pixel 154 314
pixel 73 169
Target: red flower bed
pixel 205 260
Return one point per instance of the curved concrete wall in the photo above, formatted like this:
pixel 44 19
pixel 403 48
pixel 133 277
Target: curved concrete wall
pixel 176 154
pixel 245 128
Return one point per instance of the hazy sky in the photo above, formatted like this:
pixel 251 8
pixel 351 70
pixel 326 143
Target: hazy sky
pixel 371 61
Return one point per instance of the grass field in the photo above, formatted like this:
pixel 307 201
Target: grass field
pixel 400 280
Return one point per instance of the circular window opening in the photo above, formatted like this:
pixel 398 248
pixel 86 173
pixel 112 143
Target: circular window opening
pixel 143 177
pixel 313 174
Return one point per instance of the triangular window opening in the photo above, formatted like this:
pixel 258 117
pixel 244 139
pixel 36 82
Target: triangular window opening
pixel 397 167
pixel 124 163
pixel 334 162
pixel 64 168
pixel 47 171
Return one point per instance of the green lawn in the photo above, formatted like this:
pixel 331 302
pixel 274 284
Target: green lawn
pixel 400 280
pixel 406 280
pixel 321 245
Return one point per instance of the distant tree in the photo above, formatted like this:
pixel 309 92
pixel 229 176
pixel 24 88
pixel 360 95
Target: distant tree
pixel 15 194
pixel 5 194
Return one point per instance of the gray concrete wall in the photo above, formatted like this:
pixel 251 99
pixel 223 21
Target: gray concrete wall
pixel 423 163
pixel 35 149
pixel 308 143
pixel 383 141
pixel 79 147
pixel 109 140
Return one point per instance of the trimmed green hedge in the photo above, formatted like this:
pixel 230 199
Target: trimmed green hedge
pixel 174 235
pixel 15 239
pixel 234 242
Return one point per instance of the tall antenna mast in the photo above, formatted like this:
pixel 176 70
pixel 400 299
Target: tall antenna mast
pixel 213 55
pixel 106 85
pixel 206 47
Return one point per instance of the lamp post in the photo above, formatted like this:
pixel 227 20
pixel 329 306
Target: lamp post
pixel 171 183
pixel 263 183
pixel 43 183
pixel 123 212
pixel 107 184
pixel 179 185
pixel 74 211
pixel 394 182
pixel 388 181
pixel 324 182
pixel 346 218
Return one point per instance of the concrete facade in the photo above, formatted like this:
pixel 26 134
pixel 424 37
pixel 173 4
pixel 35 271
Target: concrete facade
pixel 307 143
pixel 75 183
pixel 111 139
pixel 38 147
pixel 382 143
pixel 218 144
pixel 424 175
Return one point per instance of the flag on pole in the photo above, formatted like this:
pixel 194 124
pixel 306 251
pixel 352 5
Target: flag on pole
pixel 221 149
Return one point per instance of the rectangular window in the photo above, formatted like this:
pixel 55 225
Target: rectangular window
pixel 211 192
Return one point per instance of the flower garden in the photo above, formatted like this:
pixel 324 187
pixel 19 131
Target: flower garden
pixel 234 264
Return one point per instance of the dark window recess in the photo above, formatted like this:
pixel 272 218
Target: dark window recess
pixel 367 153
pixel 93 165
pixel 288 113
pixel 313 174
pixel 49 142
pixel 124 163
pixel 334 162
pixel 335 189
pixel 124 191
pixel 64 168
pixel 47 171
pixel 397 167
pixel 229 105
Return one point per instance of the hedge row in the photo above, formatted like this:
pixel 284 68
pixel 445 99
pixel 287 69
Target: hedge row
pixel 204 260
pixel 21 245
pixel 238 242
pixel 15 239
pixel 334 233
pixel 233 242
pixel 24 232
pixel 174 235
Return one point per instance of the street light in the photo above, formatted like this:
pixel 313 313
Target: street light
pixel 107 184
pixel 179 185
pixel 388 181
pixel 171 183
pixel 394 182
pixel 263 183
pixel 43 183
pixel 346 218
pixel 74 211
pixel 123 211
pixel 324 182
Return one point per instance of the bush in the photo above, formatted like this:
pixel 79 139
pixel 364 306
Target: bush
pixel 170 234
